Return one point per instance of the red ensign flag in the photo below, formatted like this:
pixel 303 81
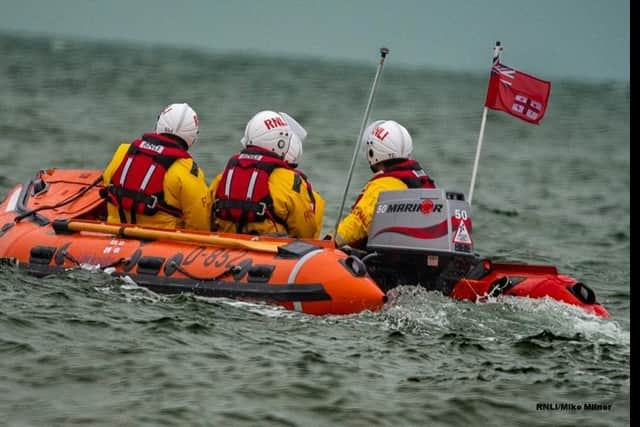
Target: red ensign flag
pixel 519 94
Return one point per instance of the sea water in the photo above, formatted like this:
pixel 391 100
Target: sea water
pixel 83 348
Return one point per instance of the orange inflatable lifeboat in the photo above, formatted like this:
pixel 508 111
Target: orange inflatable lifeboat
pixel 422 237
pixel 56 222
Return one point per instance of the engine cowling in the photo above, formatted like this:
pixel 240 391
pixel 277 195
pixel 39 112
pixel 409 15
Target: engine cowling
pixel 422 220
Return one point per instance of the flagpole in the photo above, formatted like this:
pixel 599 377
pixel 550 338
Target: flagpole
pixel 383 54
pixel 496 57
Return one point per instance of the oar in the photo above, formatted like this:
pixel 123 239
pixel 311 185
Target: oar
pixel 65 226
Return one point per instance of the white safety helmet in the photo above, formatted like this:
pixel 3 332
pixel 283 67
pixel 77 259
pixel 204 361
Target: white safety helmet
pixel 179 120
pixel 268 130
pixel 385 140
pixel 294 155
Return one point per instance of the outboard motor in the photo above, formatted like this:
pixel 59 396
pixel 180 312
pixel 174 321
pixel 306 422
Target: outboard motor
pixel 420 237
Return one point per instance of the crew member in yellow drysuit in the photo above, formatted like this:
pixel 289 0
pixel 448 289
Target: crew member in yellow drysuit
pixel 154 182
pixel 388 148
pixel 258 192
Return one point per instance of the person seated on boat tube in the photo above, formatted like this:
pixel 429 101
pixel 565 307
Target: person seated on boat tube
pixel 154 181
pixel 258 192
pixel 388 146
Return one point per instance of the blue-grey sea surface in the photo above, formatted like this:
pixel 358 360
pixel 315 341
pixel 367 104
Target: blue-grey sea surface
pixel 83 348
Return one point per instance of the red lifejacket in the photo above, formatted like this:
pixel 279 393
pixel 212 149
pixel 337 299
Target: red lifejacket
pixel 408 171
pixel 137 184
pixel 243 194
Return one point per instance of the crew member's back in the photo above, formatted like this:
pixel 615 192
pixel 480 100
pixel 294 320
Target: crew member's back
pixel 258 193
pixel 388 147
pixel 154 182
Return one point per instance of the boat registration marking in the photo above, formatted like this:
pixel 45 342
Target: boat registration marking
pixel 113 246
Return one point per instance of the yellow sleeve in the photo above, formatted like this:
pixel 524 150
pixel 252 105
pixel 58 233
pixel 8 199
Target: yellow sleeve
pixel 355 226
pixel 294 207
pixel 213 187
pixel 189 193
pixel 114 163
pixel 320 204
